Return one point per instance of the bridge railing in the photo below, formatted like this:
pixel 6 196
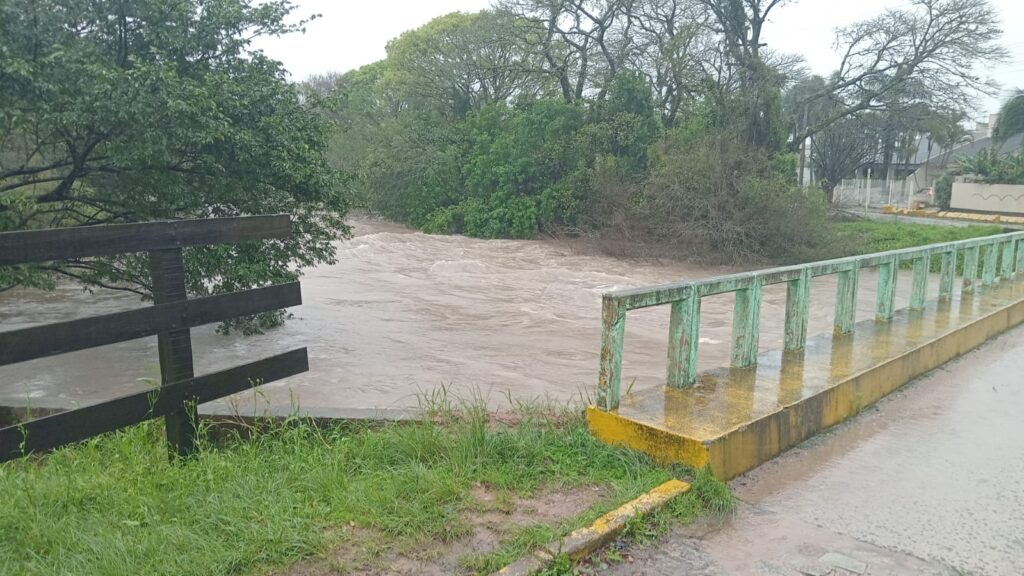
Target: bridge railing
pixel 1000 257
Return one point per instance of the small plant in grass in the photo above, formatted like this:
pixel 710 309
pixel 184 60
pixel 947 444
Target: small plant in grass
pixel 562 566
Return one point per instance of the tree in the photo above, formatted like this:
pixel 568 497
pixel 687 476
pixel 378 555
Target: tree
pixel 843 148
pixel 758 101
pixel 1011 118
pixel 936 44
pixel 671 47
pixel 945 129
pixel 805 105
pixel 461 62
pixel 117 111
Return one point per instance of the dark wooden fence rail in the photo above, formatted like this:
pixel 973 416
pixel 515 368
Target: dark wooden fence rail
pixel 171 317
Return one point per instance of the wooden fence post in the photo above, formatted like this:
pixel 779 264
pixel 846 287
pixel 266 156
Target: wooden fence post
pixel 167 269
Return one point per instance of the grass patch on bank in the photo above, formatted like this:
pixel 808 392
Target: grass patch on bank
pixel 869 236
pixel 115 505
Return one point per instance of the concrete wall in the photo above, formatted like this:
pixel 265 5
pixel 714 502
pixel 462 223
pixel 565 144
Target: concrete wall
pixel 1001 198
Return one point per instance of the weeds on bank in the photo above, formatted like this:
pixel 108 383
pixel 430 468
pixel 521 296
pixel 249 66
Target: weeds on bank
pixel 273 496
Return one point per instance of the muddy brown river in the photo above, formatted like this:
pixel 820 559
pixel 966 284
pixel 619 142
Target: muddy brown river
pixel 403 314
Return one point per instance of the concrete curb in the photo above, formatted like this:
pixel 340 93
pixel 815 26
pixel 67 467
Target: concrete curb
pixel 972 217
pixel 585 541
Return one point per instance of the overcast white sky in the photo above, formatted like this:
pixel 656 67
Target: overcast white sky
pixel 352 33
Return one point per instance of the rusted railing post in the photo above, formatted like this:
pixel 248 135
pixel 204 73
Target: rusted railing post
pixel 167 269
pixel 885 302
pixel 798 298
pixel 846 299
pixel 683 339
pixel 970 269
pixel 746 318
pixel 947 273
pixel 919 287
pixel 613 329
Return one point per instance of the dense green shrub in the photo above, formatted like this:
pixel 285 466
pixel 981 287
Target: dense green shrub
pixel 991 167
pixel 709 192
pixel 944 191
pixel 416 169
pixel 499 216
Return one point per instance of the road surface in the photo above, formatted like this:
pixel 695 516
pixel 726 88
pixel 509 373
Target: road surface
pixel 928 481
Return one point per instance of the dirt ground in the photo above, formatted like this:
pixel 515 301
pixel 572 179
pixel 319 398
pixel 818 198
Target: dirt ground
pixel 493 517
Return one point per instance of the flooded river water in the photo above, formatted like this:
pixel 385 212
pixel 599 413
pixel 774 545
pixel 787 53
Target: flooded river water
pixel 402 314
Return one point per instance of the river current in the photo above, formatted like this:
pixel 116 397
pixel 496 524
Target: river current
pixel 403 314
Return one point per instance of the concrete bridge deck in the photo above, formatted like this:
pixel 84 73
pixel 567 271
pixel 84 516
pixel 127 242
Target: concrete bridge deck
pixel 733 419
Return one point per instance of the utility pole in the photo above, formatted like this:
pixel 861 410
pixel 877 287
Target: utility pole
pixel 803 150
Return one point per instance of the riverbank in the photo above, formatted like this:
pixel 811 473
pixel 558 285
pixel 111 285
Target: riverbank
pixel 403 314
pixel 463 493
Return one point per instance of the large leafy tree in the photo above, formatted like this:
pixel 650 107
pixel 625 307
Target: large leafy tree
pixel 123 111
pixel 460 62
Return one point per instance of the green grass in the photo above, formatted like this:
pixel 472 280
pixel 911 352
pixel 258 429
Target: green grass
pixel 868 236
pixel 115 505
pixel 852 237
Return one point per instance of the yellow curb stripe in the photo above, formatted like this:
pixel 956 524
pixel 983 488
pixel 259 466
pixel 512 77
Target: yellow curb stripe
pixel 586 541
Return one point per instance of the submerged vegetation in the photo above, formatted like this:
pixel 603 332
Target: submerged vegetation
pixel 115 505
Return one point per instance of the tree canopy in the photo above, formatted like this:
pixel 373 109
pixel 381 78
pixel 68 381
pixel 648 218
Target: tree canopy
pixel 1011 117
pixel 117 111
pixel 562 115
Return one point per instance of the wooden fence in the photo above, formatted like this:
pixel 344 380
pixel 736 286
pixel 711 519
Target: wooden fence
pixel 170 318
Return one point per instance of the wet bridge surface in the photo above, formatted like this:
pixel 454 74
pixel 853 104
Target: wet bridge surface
pixel 927 481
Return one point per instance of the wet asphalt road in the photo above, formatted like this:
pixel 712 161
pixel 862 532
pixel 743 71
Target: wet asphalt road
pixel 928 481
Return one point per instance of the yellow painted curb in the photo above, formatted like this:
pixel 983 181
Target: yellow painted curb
pixel 586 541
pixel 971 216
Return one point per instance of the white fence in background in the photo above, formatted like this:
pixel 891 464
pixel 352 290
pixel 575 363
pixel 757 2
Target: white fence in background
pixel 866 194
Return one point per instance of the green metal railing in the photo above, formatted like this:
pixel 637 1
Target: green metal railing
pixel 684 299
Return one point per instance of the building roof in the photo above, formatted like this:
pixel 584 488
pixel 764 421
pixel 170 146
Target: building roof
pixel 942 159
